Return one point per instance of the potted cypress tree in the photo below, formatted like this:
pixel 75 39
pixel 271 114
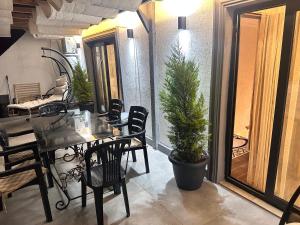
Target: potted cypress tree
pixel 82 89
pixel 185 110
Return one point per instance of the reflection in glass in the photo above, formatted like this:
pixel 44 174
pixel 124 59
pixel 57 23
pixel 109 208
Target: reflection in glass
pixel 260 41
pixel 288 173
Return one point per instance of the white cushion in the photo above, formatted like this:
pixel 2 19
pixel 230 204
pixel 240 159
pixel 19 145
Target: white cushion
pixel 62 81
pixel 60 90
pixel 35 103
pixel 292 223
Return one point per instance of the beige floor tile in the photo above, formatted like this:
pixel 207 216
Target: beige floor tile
pixel 154 200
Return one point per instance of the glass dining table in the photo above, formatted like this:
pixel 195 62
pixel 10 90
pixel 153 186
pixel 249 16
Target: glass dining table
pixel 69 130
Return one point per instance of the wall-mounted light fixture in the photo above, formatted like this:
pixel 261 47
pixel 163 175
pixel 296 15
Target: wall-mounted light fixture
pixel 129 33
pixel 182 23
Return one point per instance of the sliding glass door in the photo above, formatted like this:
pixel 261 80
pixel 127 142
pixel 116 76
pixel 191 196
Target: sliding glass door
pixel 107 77
pixel 263 107
pixel 288 171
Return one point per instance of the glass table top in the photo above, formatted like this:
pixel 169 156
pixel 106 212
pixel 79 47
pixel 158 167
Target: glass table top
pixel 64 130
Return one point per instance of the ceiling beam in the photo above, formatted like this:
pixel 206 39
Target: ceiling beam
pixel 21 15
pixel 23 9
pixel 32 3
pixel 18 24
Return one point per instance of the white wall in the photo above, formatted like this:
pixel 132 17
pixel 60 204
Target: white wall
pixel 196 42
pixel 134 56
pixel 134 60
pixel 22 63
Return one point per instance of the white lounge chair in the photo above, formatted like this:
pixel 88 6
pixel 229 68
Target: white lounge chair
pixel 61 93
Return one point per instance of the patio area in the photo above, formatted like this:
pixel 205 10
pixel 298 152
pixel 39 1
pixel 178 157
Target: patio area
pixel 154 199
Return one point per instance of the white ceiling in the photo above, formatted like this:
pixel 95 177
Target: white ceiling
pixel 57 18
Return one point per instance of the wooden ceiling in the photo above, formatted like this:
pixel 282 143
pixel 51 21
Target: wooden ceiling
pixel 22 12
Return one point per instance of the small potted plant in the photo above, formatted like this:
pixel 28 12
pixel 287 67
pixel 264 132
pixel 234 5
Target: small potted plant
pixel 185 110
pixel 82 89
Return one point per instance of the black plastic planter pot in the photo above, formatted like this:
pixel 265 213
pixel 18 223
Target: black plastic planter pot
pixel 87 106
pixel 188 176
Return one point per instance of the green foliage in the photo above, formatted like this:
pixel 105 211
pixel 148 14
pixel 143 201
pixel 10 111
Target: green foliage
pixel 82 88
pixel 183 108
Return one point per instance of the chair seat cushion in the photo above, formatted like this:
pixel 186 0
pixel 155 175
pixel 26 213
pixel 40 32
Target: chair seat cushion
pixel 22 139
pixel 97 176
pixel 13 182
pixel 135 143
pixel 292 223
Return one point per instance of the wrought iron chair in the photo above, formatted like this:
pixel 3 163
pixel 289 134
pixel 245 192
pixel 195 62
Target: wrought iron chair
pixel 291 214
pixel 52 109
pixel 23 173
pixel 114 112
pixel 137 133
pixel 48 110
pixel 107 174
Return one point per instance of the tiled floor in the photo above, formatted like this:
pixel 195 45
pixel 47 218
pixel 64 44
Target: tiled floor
pixel 154 200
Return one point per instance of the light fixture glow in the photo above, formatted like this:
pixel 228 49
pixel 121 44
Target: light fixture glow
pixel 184 39
pixel 128 19
pixel 181 7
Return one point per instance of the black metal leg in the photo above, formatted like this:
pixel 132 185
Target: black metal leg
pixel 52 157
pixel 127 162
pixel 124 189
pixel 146 159
pixel 117 189
pixel 76 151
pixel 49 174
pixel 98 193
pixel 1 204
pixel 43 190
pixel 83 193
pixel 133 155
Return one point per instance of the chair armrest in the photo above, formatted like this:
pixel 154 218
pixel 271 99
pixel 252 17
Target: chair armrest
pixel 48 93
pixel 34 166
pixel 20 133
pixel 119 125
pixel 135 135
pixel 102 114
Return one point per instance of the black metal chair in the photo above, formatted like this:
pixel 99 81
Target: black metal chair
pixel 107 174
pixel 114 112
pixel 53 109
pixel 291 214
pixel 137 133
pixel 23 173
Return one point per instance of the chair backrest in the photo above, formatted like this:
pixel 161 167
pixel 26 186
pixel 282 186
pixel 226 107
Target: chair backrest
pixel 115 109
pixel 3 139
pixel 52 109
pixel 137 119
pixel 291 214
pixel 27 92
pixel 110 155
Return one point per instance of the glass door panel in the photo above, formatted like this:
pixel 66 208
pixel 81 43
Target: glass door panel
pixel 100 77
pixel 288 173
pixel 106 74
pixel 260 43
pixel 112 68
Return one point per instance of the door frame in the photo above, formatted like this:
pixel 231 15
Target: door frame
pixel 284 73
pixel 108 39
